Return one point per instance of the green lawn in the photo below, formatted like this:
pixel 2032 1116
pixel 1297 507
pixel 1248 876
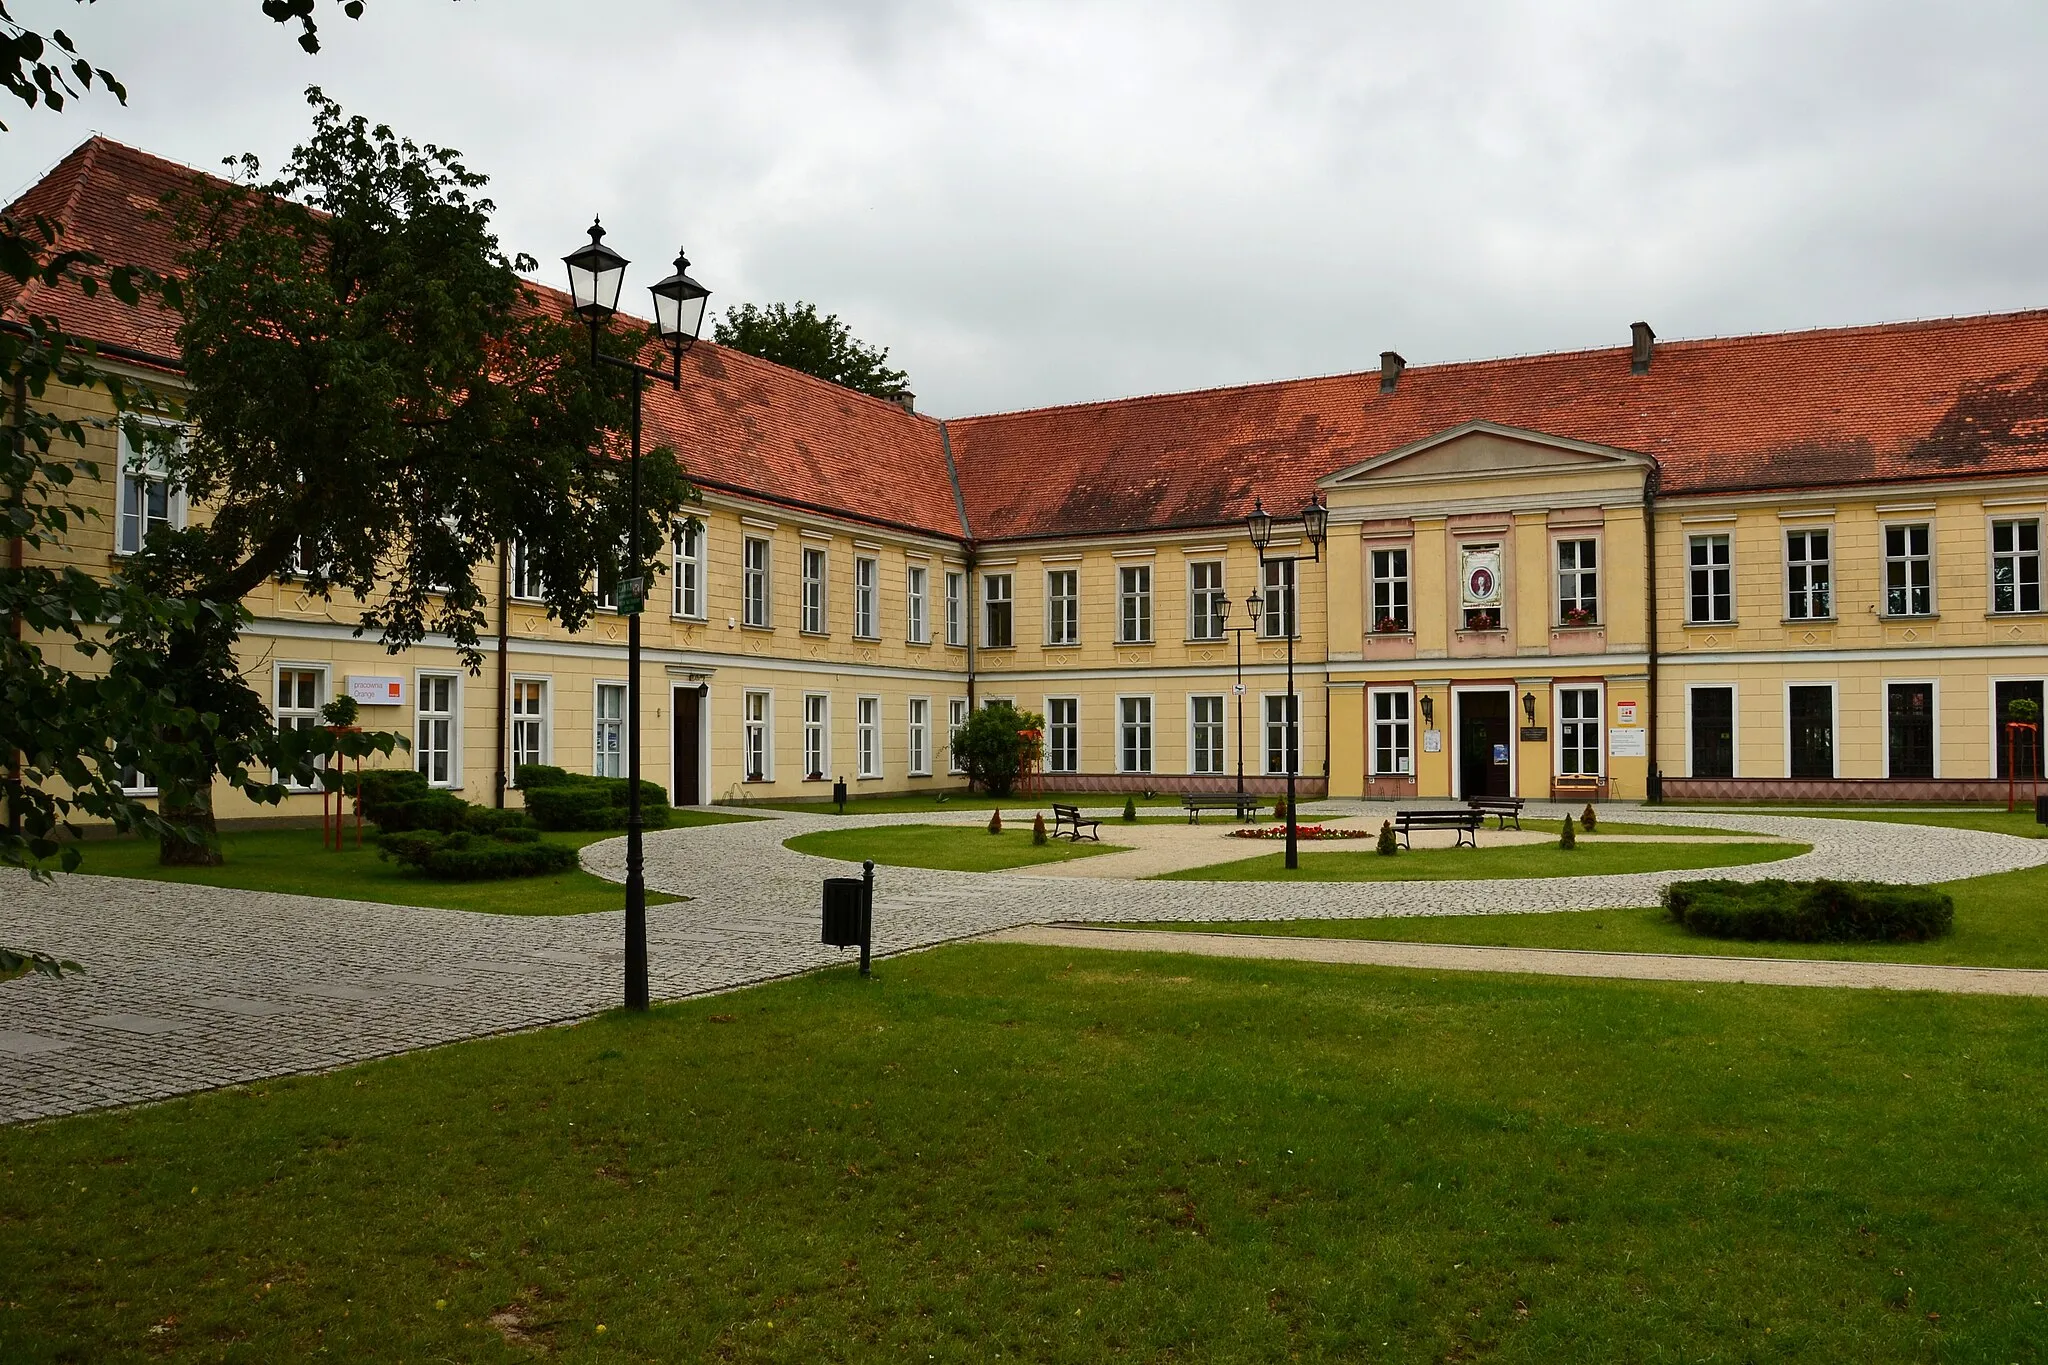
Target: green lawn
pixel 292 861
pixel 917 805
pixel 1997 820
pixel 952 848
pixel 2001 921
pixel 1504 861
pixel 1007 1152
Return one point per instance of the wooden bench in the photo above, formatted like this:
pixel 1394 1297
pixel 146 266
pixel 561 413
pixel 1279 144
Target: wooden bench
pixel 1466 822
pixel 1067 820
pixel 1572 786
pixel 1246 805
pixel 1501 808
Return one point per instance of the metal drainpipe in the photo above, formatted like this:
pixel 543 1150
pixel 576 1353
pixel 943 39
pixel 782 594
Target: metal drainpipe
pixel 17 559
pixel 968 623
pixel 504 652
pixel 1653 786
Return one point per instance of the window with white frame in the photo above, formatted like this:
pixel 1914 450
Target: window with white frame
pixel 813 619
pixel 956 609
pixel 1207 601
pixel 867 589
pixel 2016 565
pixel 1578 731
pixel 1205 736
pixel 754 599
pixel 817 739
pixel 306 556
pixel 997 611
pixel 1710 583
pixel 526 580
pixel 1063 734
pixel 688 570
pixel 136 782
pixel 436 728
pixel 1063 606
pixel 916 606
pixel 609 576
pixel 1134 734
pixel 1390 590
pixel 1809 575
pixel 1908 570
pixel 147 497
pixel 1134 604
pixel 756 740
pixel 1578 582
pixel 608 738
pixel 529 702
pixel 1277 621
pixel 1393 735
pixel 1283 734
pixel 867 728
pixel 956 716
pixel 918 752
pixel 301 692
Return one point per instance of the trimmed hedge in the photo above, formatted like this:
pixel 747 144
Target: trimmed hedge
pixel 1811 912
pixel 467 857
pixel 559 800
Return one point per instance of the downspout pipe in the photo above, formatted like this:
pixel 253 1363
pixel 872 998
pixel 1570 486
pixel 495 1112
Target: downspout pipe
pixel 1653 787
pixel 17 560
pixel 504 666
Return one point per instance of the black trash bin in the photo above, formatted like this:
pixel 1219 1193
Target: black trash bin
pixel 843 901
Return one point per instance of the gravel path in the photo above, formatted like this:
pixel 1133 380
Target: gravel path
pixel 191 987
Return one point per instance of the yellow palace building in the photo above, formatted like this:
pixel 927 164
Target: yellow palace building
pixel 1794 566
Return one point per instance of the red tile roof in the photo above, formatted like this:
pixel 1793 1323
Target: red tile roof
pixel 1902 402
pixel 1895 403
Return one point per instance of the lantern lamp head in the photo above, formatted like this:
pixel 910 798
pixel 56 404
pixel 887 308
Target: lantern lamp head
pixel 1315 523
pixel 1256 605
pixel 596 274
pixel 1529 706
pixel 1260 525
pixel 679 306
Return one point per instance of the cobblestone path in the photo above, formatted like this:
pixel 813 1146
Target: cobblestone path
pixel 191 987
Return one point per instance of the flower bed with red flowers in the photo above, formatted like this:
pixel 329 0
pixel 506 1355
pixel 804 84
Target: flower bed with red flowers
pixel 1304 832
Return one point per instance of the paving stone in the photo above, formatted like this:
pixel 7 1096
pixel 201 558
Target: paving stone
pixel 248 1009
pixel 31 1044
pixel 134 1023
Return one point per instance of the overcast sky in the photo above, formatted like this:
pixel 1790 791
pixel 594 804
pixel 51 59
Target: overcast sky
pixel 1046 203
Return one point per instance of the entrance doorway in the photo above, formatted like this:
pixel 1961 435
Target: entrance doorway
pixel 688 732
pixel 1486 741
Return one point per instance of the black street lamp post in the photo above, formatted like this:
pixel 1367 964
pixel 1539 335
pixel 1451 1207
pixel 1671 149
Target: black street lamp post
pixel 1253 605
pixel 1315 524
pixel 596 274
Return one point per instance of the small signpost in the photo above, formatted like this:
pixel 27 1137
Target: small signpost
pixel 632 596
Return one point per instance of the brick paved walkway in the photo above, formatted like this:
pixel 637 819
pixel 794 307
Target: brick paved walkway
pixel 192 987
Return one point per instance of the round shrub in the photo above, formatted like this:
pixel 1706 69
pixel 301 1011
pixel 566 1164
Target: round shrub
pixel 467 857
pixel 1811 912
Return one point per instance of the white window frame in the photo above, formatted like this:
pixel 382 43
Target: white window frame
pixel 813 566
pixel 1834 726
pixel 1925 562
pixel 757 588
pixel 917 621
pixel 1221 725
pixel 1146 727
pixel 514 719
pixel 523 578
pixel 1726 572
pixel 1734 724
pixel 2019 557
pixel 1267 726
pixel 757 731
pixel 956 609
pixel 1802 598
pixel 1402 725
pixel 1134 604
pixel 453 715
pixel 867 735
pixel 917 736
pixel 1206 602
pixel 1560 721
pixel 689 546
pixel 302 717
pixel 1063 610
pixel 817 736
pixel 1278 582
pixel 601 725
pixel 1052 729
pixel 990 600
pixel 1391 591
pixel 1583 578
pixel 956 717
pixel 867 597
pixel 144 467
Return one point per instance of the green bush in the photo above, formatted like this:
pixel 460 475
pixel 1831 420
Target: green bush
pixel 1130 810
pixel 503 823
pixel 1389 845
pixel 1038 828
pixel 542 775
pixel 439 811
pixel 1588 821
pixel 378 785
pixel 1811 912
pixel 559 800
pixel 467 857
pixel 1569 838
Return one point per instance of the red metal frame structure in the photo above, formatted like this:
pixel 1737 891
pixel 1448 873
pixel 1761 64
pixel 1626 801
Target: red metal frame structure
pixel 332 828
pixel 2013 730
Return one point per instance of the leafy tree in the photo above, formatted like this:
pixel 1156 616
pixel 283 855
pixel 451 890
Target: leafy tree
pixel 997 745
pixel 377 403
pixel 794 335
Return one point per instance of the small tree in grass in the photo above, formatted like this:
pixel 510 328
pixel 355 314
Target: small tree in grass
pixel 1130 810
pixel 1280 809
pixel 997 744
pixel 995 823
pixel 1587 820
pixel 1570 837
pixel 1038 828
pixel 1388 847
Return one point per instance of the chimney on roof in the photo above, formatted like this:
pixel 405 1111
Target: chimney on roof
pixel 1391 366
pixel 905 399
pixel 1642 346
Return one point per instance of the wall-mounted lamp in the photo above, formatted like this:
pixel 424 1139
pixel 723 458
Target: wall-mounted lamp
pixel 1529 706
pixel 1429 713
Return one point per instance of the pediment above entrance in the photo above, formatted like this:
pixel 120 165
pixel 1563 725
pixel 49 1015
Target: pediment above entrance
pixel 1484 450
